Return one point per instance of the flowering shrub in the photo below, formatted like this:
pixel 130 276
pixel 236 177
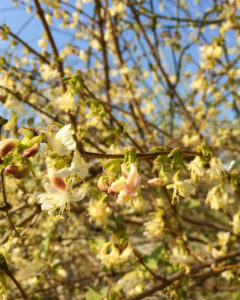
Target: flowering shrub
pixel 120 151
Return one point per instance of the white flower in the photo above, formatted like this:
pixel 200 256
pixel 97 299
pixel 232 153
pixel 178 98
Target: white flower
pixel 78 167
pixel 98 211
pixel 228 275
pixel 217 198
pixel 196 168
pixel 183 188
pixel 66 102
pixel 55 198
pixel 216 169
pixel 48 72
pixel 110 254
pixel 63 142
pixel 223 238
pixel 154 227
pixel 179 256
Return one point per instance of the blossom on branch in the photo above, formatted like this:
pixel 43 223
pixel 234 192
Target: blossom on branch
pixel 56 198
pixel 62 142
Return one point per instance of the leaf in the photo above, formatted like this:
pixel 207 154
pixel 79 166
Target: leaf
pixel 113 296
pixel 3 283
pixel 45 246
pixel 93 293
pixel 191 204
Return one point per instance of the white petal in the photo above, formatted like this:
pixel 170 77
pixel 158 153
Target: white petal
pixel 51 189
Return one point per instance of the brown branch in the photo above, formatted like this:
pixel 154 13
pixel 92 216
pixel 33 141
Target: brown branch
pixel 19 287
pixel 182 274
pixel 52 42
pixel 141 261
pixel 128 84
pixel 21 99
pixel 41 57
pixel 147 155
pixel 104 52
pixel 165 75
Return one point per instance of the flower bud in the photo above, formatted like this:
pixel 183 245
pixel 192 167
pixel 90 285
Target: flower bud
pixel 11 169
pixel 124 170
pixel 22 173
pixel 7 145
pixel 132 182
pixel 158 181
pixel 31 151
pixel 102 185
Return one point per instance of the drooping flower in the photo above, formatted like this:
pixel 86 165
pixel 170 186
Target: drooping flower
pixel 196 168
pixel 66 102
pixel 217 198
pixel 56 198
pixel 128 184
pixel 78 167
pixel 110 254
pixel 63 142
pixel 216 169
pixel 223 238
pixel 154 227
pixel 98 211
pixel 132 182
pixel 182 188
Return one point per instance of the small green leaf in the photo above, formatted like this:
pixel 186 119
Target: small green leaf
pixel 93 293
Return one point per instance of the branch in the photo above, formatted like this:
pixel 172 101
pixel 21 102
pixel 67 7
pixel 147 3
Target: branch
pixel 147 155
pixel 41 57
pixel 52 42
pixel 182 274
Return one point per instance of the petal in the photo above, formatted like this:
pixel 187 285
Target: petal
pixel 51 189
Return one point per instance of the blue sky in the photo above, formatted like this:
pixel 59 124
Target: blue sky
pixel 29 28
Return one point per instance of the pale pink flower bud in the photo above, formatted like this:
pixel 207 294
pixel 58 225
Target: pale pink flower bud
pixel 102 185
pixel 124 170
pixel 6 146
pixel 110 180
pixel 132 182
pixel 158 181
pixel 31 151
pixel 58 182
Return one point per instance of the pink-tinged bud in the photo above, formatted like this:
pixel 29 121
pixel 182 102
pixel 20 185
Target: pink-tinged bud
pixel 58 182
pixel 102 185
pixel 6 146
pixel 11 169
pixel 124 170
pixel 24 172
pixel 132 182
pixel 31 151
pixel 110 180
pixel 109 191
pixel 158 182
